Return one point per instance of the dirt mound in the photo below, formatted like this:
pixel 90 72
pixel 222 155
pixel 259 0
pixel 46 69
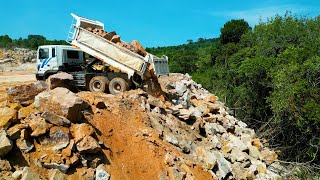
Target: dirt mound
pixel 187 133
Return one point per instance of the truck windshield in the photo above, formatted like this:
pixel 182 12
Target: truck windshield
pixel 43 53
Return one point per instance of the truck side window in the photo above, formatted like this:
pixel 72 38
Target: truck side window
pixel 53 52
pixel 73 54
pixel 44 53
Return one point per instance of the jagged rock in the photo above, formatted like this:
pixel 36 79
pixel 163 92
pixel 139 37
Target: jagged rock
pixel 88 145
pixel 38 126
pixel 239 172
pixel 15 131
pixel 91 160
pixel 269 156
pixel 25 94
pixel 17 174
pixel 223 165
pixel 254 152
pixel 180 88
pixel 29 174
pixel 174 173
pixel 211 98
pixel 138 48
pixel 15 106
pixel 61 167
pixel 238 155
pixel 5 143
pixel 5 165
pixel 60 101
pixel 7 116
pixel 55 174
pixel 58 138
pixel 68 150
pixel 26 111
pixel 184 114
pixel 155 102
pixel 214 128
pixel 237 142
pixel 79 131
pixel 55 119
pixel 115 39
pixel 61 79
pixel 24 145
pixel 101 173
pixel 85 173
pixel 209 159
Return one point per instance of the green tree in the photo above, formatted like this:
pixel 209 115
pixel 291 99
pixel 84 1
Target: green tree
pixel 233 30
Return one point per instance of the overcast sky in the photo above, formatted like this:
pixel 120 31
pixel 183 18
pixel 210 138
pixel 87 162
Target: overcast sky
pixel 153 23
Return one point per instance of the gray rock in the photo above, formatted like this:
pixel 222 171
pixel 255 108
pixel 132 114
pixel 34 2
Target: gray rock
pixel 24 145
pixel 5 143
pixel 101 173
pixel 55 119
pixel 61 167
pixel 223 165
pixel 180 88
pixel 58 138
pixel 29 174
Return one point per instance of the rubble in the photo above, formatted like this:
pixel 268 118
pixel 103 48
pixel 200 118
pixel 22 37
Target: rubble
pixel 134 46
pixel 185 134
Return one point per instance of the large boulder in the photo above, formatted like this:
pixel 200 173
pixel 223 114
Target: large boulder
pixel 55 119
pixel 60 101
pixel 7 116
pixel 79 131
pixel 61 79
pixel 5 144
pixel 25 94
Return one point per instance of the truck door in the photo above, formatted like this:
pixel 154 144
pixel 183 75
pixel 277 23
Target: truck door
pixel 47 59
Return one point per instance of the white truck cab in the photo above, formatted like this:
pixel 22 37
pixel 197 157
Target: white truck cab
pixel 54 58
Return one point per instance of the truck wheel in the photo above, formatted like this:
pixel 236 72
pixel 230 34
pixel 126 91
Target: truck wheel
pixel 98 84
pixel 118 85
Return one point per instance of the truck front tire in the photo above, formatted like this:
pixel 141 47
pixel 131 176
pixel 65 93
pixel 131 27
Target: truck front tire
pixel 118 85
pixel 98 84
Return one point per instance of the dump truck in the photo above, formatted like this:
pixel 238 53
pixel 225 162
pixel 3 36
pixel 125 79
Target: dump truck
pixel 98 64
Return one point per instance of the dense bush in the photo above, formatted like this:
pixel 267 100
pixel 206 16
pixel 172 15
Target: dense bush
pixel 270 79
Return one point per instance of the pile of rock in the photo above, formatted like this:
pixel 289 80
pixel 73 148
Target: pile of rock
pixel 18 55
pixel 47 127
pixel 196 123
pixel 50 126
pixel 134 46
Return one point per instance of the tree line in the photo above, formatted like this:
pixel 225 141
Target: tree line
pixel 269 76
pixel 31 42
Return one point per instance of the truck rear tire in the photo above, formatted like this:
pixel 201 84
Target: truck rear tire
pixel 118 85
pixel 98 84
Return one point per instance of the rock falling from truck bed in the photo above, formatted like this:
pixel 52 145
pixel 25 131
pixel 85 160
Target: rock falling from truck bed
pixel 134 46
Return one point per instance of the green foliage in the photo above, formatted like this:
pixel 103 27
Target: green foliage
pixel 32 42
pixel 233 30
pixel 269 76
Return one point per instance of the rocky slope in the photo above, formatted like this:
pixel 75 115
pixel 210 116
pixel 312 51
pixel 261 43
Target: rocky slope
pixel 50 132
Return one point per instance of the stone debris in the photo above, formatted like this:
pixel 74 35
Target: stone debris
pixel 52 131
pixel 134 46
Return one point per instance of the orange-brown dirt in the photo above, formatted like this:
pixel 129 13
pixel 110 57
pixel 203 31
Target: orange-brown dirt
pixel 131 153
